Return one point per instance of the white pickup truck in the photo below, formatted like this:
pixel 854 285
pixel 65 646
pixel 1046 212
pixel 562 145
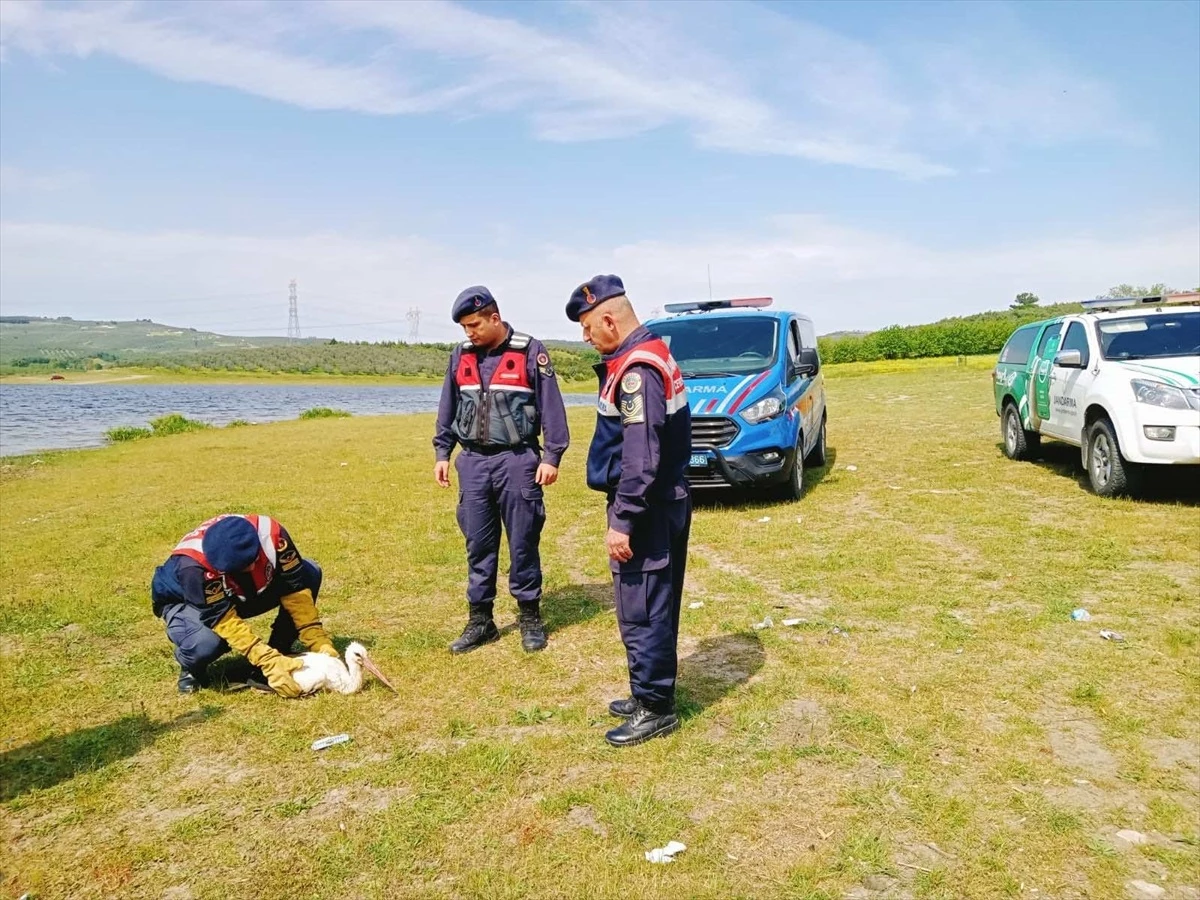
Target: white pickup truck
pixel 1121 381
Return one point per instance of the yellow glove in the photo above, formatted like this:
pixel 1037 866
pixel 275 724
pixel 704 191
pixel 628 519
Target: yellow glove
pixel 275 666
pixel 278 670
pixel 303 610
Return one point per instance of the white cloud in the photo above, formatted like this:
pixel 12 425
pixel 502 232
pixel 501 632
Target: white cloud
pixel 844 277
pixel 741 78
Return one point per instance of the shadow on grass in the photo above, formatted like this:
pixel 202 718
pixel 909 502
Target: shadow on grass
pixel 732 497
pixel 716 668
pixel 575 604
pixel 1156 484
pixel 62 757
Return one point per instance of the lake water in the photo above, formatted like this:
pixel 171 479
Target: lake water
pixel 36 417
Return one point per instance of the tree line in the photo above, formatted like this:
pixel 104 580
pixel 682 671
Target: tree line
pixel 974 335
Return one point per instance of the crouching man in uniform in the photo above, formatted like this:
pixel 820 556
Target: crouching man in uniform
pixel 231 568
pixel 500 394
pixel 638 457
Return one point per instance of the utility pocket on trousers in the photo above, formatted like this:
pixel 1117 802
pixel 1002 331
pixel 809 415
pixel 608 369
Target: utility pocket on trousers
pixel 632 580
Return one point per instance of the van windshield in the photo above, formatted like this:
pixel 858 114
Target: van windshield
pixel 715 346
pixel 1148 337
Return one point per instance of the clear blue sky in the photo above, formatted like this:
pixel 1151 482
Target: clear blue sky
pixel 868 163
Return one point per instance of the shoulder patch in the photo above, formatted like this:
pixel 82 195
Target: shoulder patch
pixel 631 383
pixel 633 409
pixel 543 359
pixel 213 592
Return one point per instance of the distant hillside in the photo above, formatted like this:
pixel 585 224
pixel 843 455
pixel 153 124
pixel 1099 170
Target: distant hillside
pixel 30 344
pixel 66 339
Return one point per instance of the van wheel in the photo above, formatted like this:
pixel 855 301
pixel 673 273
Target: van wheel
pixel 816 457
pixel 1108 472
pixel 793 488
pixel 1018 443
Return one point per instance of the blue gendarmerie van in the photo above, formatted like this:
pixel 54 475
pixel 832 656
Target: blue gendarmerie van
pixel 756 392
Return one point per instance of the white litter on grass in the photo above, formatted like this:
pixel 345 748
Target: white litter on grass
pixel 764 519
pixel 765 623
pixel 327 742
pixel 665 854
pixel 699 604
pixel 1132 837
pixel 851 468
pixel 792 623
pixel 1112 635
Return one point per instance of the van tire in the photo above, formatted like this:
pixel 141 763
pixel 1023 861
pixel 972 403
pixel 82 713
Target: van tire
pixel 1018 443
pixel 793 488
pixel 816 457
pixel 1107 470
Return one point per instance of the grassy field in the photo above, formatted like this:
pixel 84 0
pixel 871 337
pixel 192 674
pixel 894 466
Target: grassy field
pixel 936 726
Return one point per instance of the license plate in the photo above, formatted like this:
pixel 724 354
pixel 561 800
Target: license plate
pixel 699 461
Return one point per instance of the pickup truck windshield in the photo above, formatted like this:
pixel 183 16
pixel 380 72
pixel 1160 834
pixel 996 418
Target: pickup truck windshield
pixel 1150 337
pixel 714 346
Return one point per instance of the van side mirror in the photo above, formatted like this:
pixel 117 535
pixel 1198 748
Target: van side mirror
pixel 1069 359
pixel 807 364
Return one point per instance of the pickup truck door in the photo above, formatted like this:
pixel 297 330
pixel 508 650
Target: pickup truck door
pixel 1040 381
pixel 1069 385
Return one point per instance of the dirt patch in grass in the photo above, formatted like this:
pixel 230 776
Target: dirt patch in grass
pixel 585 817
pixel 355 800
pixel 1077 744
pixel 1179 757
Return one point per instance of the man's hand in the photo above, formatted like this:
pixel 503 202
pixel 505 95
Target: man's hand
pixel 618 546
pixel 546 474
pixel 441 472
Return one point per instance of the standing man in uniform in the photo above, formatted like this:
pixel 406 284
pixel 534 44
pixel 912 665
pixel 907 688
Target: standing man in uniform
pixel 500 393
pixel 227 570
pixel 638 457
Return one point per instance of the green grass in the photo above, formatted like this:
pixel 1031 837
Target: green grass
pixel 324 412
pixel 959 736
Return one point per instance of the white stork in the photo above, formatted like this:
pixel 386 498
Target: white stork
pixel 321 671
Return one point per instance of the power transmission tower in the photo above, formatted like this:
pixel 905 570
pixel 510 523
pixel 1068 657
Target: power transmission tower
pixel 414 325
pixel 293 313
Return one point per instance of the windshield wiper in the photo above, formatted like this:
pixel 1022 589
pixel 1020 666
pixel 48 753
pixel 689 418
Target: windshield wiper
pixel 709 374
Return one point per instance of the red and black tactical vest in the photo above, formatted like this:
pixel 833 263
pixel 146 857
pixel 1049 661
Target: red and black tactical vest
pixel 261 572
pixel 505 413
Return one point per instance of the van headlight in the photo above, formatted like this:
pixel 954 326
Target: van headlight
pixel 766 408
pixel 1155 393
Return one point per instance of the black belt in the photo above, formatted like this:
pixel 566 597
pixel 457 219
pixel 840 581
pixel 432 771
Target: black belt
pixel 493 449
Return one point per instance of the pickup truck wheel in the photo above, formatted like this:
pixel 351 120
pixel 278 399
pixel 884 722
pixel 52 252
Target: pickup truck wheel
pixel 1018 443
pixel 816 457
pixel 1108 472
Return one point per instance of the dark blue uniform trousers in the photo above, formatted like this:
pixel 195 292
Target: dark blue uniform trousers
pixel 196 645
pixel 649 592
pixel 494 488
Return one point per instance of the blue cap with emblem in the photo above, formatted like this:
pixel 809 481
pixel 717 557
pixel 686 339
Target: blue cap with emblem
pixel 592 293
pixel 231 544
pixel 471 300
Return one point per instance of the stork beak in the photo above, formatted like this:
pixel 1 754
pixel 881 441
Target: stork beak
pixel 374 670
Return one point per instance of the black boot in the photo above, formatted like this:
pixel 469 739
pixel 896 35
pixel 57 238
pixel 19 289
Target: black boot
pixel 189 681
pixel 643 725
pixel 533 631
pixel 622 709
pixel 481 629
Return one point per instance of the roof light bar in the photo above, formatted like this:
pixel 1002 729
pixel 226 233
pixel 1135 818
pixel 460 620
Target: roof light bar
pixel 1104 303
pixel 706 305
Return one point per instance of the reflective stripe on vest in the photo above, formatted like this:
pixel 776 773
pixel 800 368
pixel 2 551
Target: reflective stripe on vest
pixel 505 413
pixel 652 353
pixel 263 569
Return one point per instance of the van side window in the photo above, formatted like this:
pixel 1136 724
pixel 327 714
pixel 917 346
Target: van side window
pixel 808 334
pixel 1076 339
pixel 1048 335
pixel 1019 346
pixel 793 342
